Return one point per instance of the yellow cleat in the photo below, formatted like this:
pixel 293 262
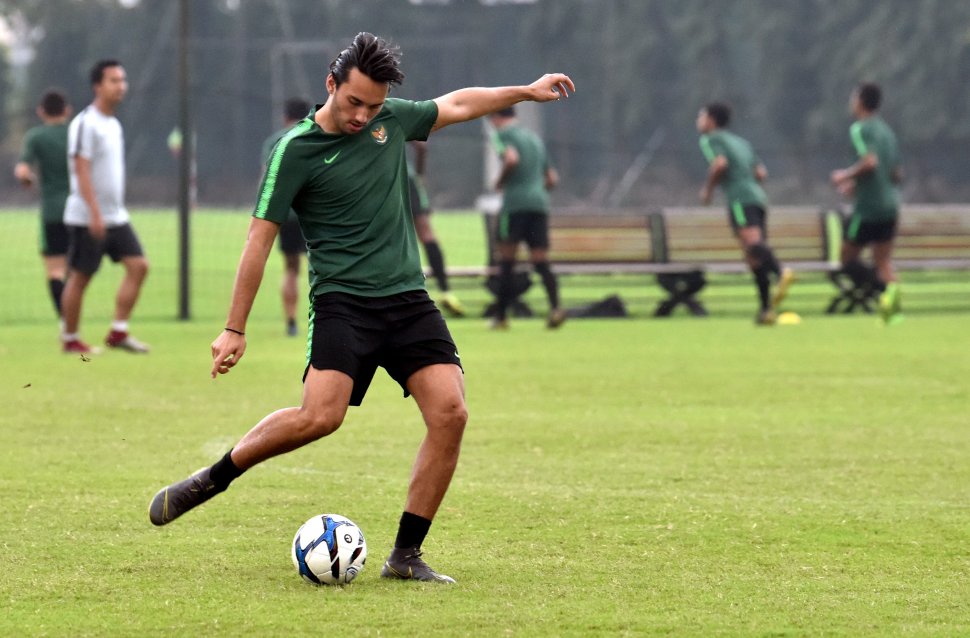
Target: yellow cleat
pixel 785 280
pixel 450 303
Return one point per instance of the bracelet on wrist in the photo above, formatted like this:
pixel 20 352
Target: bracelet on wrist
pixel 241 334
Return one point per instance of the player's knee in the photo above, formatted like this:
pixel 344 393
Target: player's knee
pixel 450 420
pixel 316 424
pixel 758 254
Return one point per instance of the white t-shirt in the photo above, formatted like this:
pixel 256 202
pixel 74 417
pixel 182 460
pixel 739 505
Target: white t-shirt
pixel 98 138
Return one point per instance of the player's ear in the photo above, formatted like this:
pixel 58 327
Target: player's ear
pixel 331 84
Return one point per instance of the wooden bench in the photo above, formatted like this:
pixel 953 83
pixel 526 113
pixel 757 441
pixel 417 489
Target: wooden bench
pixel 679 245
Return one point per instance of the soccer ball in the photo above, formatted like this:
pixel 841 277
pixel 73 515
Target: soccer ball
pixel 329 549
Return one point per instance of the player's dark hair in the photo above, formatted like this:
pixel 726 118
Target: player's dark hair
pixel 719 112
pixel 53 103
pixel 295 108
pixel 870 95
pixel 372 56
pixel 508 111
pixel 97 71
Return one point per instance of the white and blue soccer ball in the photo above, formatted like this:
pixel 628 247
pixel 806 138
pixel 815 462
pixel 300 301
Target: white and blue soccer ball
pixel 329 549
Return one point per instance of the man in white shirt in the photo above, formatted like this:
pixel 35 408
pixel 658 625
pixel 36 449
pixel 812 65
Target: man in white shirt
pixel 95 213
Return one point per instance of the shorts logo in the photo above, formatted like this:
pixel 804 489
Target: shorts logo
pixel 379 134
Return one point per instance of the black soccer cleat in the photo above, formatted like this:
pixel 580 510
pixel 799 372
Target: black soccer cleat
pixel 178 498
pixel 405 563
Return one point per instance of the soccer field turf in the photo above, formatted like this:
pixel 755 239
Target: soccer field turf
pixel 624 477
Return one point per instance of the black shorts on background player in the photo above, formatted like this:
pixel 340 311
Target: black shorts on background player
pixel 291 238
pixel 54 239
pixel 355 335
pixel 750 215
pixel 528 226
pixel 861 233
pixel 85 252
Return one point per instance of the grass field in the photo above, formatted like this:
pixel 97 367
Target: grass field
pixel 618 478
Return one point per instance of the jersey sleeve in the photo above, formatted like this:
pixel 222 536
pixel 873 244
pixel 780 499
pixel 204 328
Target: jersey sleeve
pixel 416 118
pixel 86 140
pixel 859 135
pixel 283 179
pixel 711 148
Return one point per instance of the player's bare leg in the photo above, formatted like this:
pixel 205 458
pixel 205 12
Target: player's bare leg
pixel 71 302
pixel 326 395
pixel 440 394
pixel 136 270
pixel 289 291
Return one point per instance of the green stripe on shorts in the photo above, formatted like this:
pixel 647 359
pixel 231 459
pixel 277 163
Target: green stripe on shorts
pixel 738 211
pixel 309 333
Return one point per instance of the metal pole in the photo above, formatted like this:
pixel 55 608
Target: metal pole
pixel 185 160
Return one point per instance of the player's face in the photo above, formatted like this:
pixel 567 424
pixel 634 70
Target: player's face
pixel 355 102
pixel 113 86
pixel 704 122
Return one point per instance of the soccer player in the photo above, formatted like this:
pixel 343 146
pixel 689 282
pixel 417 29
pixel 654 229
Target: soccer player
pixel 421 213
pixel 95 214
pixel 45 148
pixel 872 183
pixel 291 243
pixel 734 165
pixel 343 170
pixel 525 179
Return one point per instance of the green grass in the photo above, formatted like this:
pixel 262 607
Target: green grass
pixel 618 478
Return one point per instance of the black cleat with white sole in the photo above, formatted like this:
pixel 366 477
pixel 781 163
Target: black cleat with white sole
pixel 405 563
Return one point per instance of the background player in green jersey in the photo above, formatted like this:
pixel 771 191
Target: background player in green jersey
pixel 343 169
pixel 45 151
pixel 872 183
pixel 291 242
pixel 421 213
pixel 734 165
pixel 525 179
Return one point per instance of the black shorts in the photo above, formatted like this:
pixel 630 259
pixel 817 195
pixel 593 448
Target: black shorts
pixel 747 215
pixel 401 333
pixel 420 204
pixel 84 253
pixel 291 238
pixel 860 233
pixel 53 239
pixel 532 227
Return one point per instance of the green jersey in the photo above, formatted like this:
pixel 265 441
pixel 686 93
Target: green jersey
pixel 876 195
pixel 350 193
pixel 741 187
pixel 524 188
pixel 46 148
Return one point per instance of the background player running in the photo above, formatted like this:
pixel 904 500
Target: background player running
pixel 734 165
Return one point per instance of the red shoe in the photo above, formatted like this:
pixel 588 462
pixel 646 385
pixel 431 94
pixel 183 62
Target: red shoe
pixel 124 341
pixel 76 346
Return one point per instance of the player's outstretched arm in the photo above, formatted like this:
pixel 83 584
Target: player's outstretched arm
pixel 473 102
pixel 229 347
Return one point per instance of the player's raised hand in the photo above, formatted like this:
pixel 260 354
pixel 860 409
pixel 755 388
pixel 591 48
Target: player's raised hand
pixel 551 87
pixel 227 350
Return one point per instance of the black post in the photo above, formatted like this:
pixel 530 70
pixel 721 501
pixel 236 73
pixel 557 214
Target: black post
pixel 185 160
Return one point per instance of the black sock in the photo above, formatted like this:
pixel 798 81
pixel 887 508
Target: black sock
pixel 436 260
pixel 550 283
pixel 764 284
pixel 506 269
pixel 412 530
pixel 56 287
pixel 224 471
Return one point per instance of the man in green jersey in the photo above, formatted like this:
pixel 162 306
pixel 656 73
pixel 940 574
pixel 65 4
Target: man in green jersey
pixel 291 242
pixel 872 183
pixel 45 149
pixel 525 179
pixel 734 165
pixel 343 170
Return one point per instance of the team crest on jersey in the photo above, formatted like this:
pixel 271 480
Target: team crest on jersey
pixel 379 133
